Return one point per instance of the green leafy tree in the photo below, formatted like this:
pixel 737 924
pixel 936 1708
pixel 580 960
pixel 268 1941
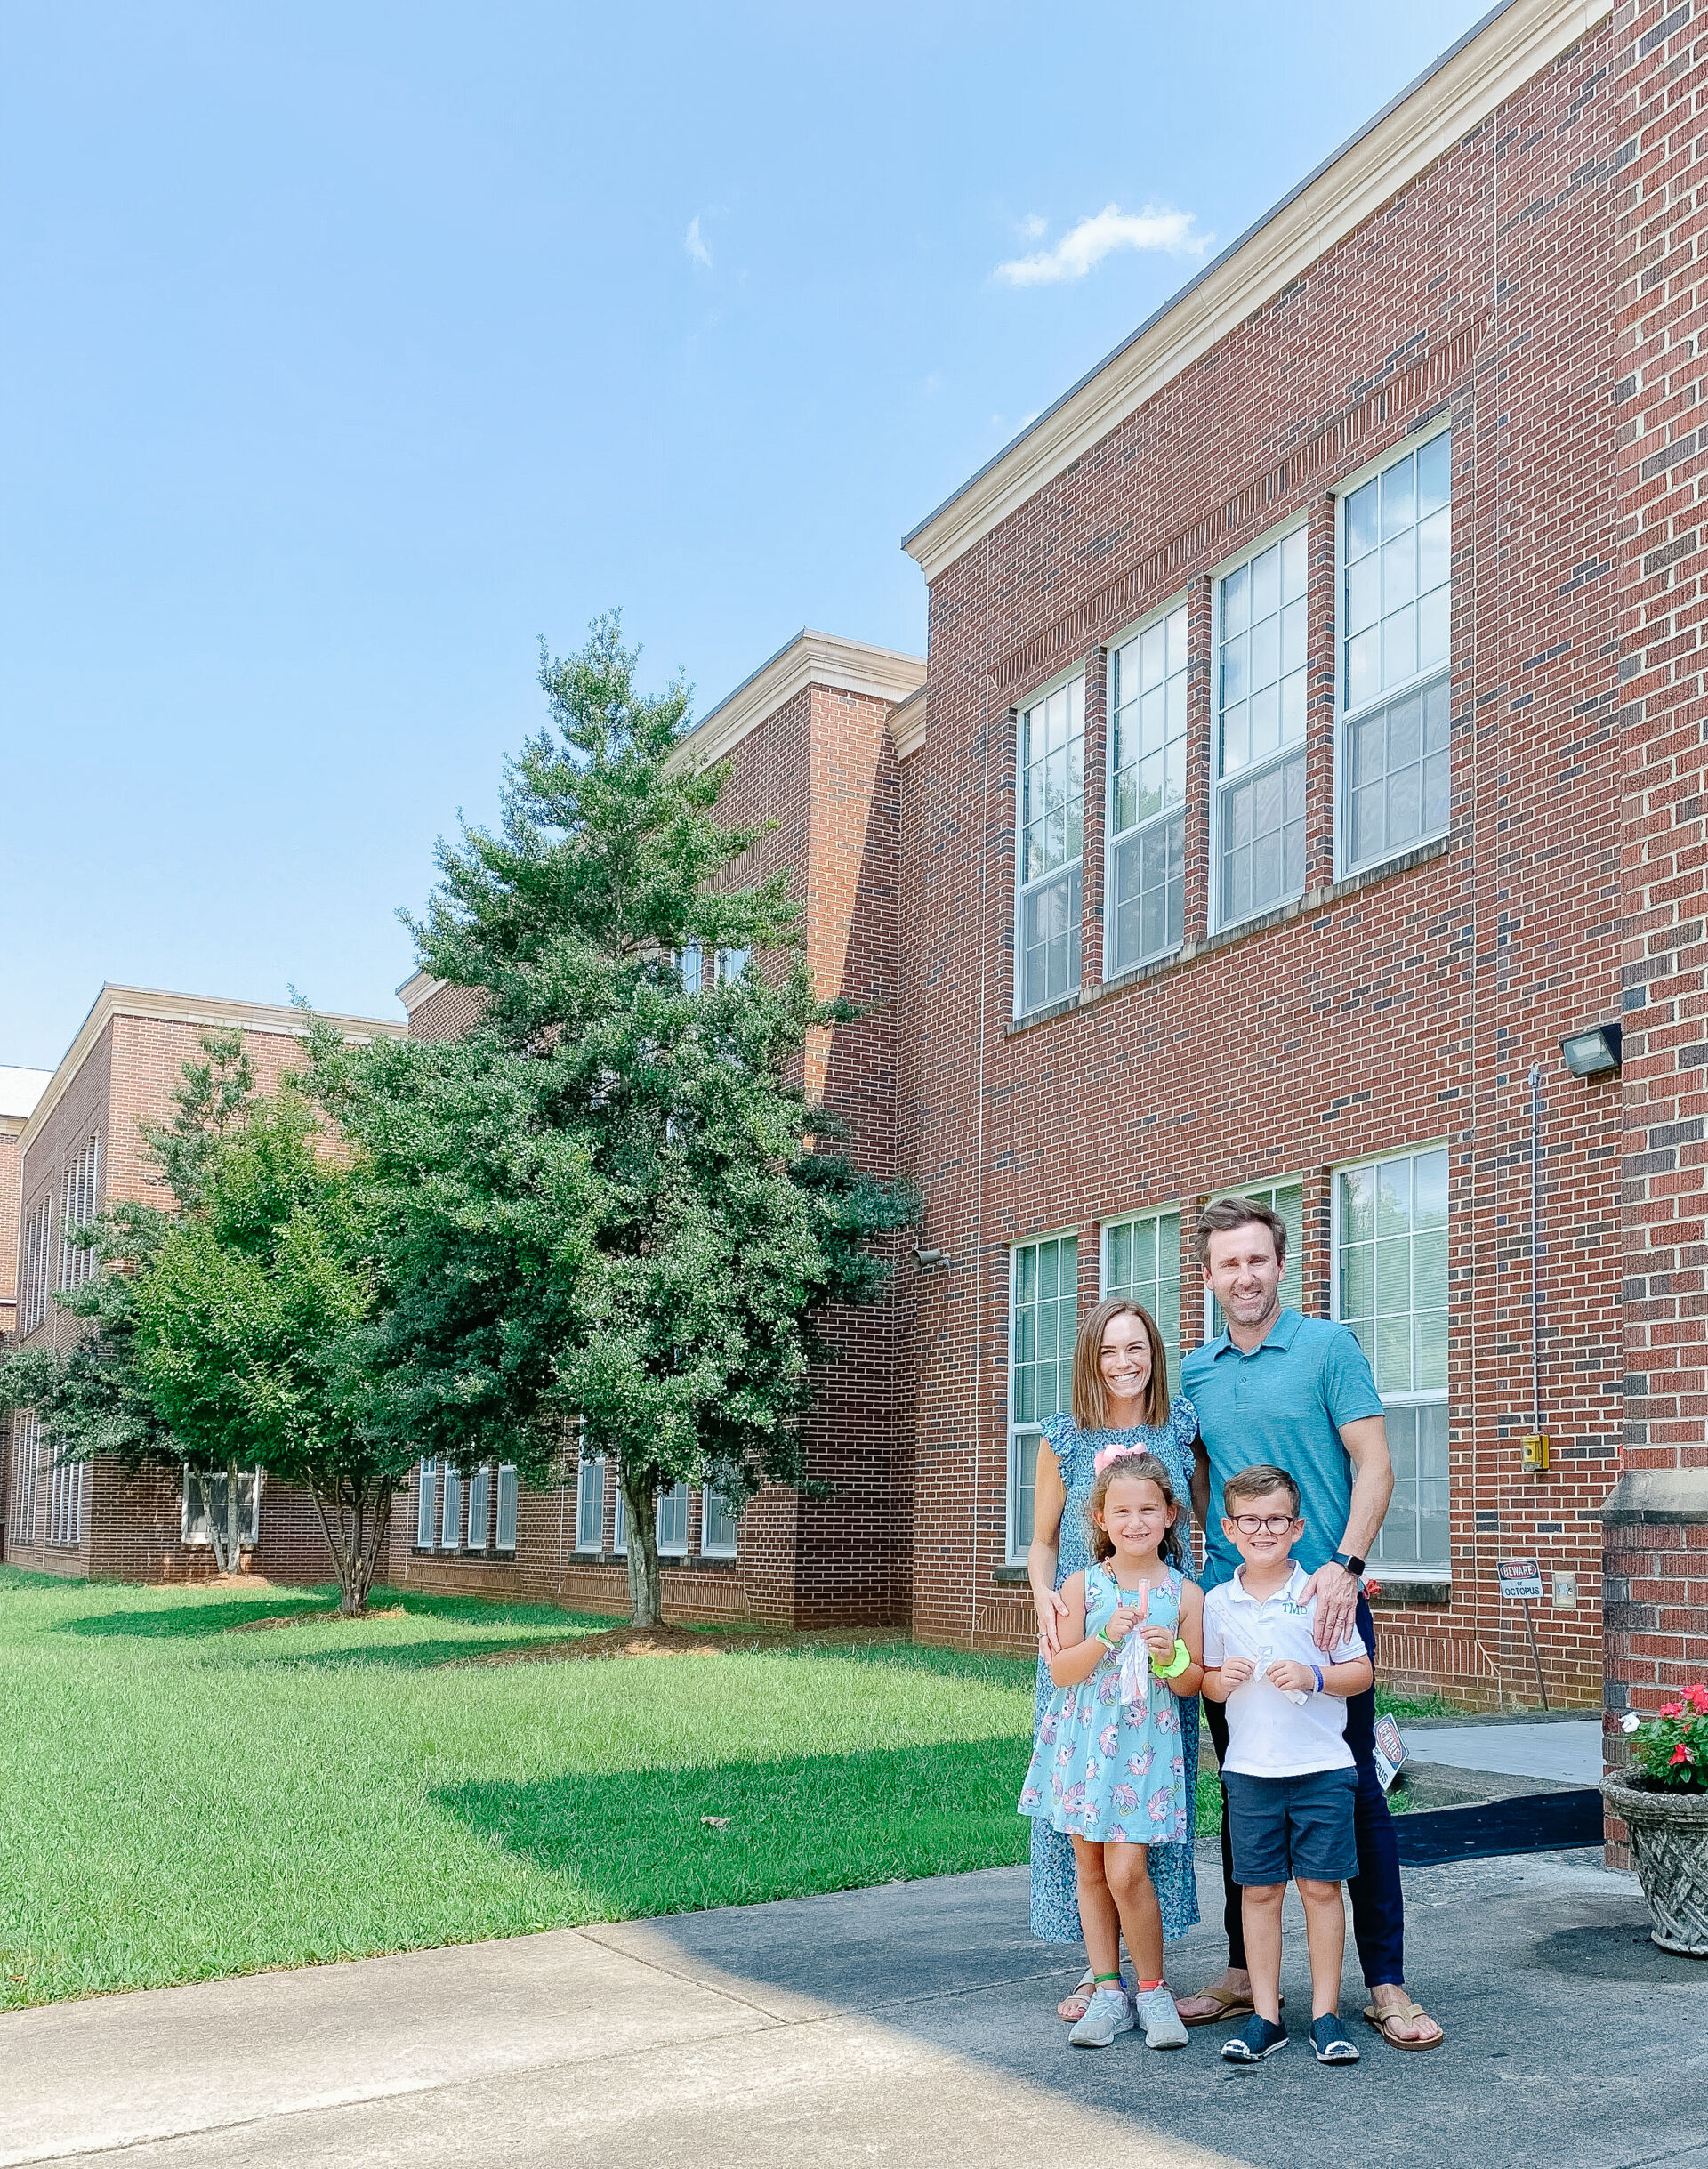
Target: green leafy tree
pixel 609 1208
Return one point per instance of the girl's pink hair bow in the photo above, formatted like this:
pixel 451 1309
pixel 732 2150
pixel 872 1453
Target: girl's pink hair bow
pixel 1099 1462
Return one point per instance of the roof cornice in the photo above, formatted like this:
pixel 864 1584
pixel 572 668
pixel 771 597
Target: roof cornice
pixel 212 1010
pixel 418 987
pixel 1454 96
pixel 907 725
pixel 809 658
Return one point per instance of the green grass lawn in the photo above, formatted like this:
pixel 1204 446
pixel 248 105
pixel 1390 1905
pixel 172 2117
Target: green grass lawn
pixel 179 1801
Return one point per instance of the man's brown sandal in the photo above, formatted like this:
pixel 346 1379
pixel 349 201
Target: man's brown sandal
pixel 1381 2019
pixel 1227 2007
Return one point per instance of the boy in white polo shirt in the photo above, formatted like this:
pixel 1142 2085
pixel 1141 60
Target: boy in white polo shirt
pixel 1290 1775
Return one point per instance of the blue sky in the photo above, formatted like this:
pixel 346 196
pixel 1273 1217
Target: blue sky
pixel 350 349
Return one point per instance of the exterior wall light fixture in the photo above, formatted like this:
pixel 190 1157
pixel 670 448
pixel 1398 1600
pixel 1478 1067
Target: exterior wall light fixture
pixel 929 1261
pixel 1594 1054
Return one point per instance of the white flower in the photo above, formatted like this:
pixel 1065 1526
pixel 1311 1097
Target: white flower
pixel 1629 1721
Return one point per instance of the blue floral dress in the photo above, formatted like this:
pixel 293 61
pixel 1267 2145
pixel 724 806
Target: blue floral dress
pixel 1104 1767
pixel 1055 1896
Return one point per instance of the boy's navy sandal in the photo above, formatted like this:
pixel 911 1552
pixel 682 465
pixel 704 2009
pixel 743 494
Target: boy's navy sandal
pixel 1255 2040
pixel 1328 2038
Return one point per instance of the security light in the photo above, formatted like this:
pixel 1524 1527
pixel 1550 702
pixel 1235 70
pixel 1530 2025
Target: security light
pixel 1593 1053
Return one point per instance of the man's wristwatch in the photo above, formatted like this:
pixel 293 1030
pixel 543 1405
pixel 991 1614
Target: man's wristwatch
pixel 1350 1561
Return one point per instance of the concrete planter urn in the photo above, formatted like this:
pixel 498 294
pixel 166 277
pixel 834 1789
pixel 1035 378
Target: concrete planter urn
pixel 1668 1842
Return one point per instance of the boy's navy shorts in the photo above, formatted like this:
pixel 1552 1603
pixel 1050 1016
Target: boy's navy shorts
pixel 1291 1827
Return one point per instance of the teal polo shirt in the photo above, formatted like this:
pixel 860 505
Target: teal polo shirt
pixel 1283 1404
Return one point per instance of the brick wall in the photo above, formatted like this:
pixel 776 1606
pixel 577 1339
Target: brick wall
pixel 1657 1519
pixel 1401 1008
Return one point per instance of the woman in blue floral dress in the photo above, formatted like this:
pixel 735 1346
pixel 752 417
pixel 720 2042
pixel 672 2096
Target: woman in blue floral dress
pixel 1121 1397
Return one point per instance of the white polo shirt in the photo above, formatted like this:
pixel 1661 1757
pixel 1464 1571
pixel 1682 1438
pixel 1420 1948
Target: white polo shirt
pixel 1269 1736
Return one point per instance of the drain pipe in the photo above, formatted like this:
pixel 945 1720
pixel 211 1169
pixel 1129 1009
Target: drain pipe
pixel 1535 1318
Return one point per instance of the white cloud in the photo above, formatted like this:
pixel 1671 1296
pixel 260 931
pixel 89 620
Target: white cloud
pixel 698 250
pixel 1086 245
pixel 1032 228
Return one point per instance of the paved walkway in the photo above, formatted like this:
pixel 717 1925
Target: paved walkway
pixel 910 2025
pixel 1567 1753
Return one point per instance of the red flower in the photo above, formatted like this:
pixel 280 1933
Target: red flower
pixel 1374 1589
pixel 1672 1709
pixel 1698 1697
pixel 1681 1754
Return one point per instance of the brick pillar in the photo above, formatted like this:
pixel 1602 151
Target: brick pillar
pixel 1655 1523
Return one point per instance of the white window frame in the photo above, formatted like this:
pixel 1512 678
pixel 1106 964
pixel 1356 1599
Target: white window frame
pixel 1297 524
pixel 1263 1192
pixel 38 1250
pixel 1389 1570
pixel 1019 1431
pixel 1132 1220
pixel 504 1535
pixel 1344 864
pixel 65 1492
pixel 590 1488
pixel 1113 966
pixel 79 1207
pixel 479 1489
pixel 248 1518
pixel 24 1492
pixel 1071 870
pixel 677 1495
pixel 426 1504
pixel 619 1526
pixel 717 1551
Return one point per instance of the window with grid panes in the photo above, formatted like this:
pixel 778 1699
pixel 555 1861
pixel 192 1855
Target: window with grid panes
pixel 78 1264
pixel 1052 815
pixel 480 1501
pixel 1287 1201
pixel 38 1236
pixel 619 1524
pixel 1147 792
pixel 26 1472
pixel 504 1539
pixel 426 1504
pixel 1141 1258
pixel 1395 553
pixel 590 1506
pixel 450 1527
pixel 1042 1315
pixel 717 1526
pixel 1260 629
pixel 64 1502
pixel 1390 1287
pixel 672 1521
pixel 195 1523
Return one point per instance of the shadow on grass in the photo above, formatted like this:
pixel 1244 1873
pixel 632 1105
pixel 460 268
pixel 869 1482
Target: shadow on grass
pixel 191 1617
pixel 644 1841
pixel 187 1622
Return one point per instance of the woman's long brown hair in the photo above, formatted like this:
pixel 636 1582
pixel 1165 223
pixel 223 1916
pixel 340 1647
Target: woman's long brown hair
pixel 1090 1395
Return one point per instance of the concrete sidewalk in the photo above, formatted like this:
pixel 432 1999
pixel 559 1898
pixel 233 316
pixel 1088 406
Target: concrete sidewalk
pixel 908 2024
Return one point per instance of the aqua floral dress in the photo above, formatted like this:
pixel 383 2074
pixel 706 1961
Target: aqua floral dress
pixel 1105 1767
pixel 1055 1895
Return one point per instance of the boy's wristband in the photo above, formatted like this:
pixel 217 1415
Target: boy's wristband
pixel 1176 1664
pixel 1318 1671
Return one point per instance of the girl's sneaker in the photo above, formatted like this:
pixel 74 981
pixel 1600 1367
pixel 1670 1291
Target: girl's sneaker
pixel 1164 2028
pixel 1328 2038
pixel 1256 2040
pixel 1108 2013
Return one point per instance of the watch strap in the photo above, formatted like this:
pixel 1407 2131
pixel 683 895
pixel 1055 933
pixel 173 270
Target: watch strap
pixel 1350 1561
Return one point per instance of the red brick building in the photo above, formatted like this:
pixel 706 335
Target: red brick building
pixel 1266 833
pixel 20 1090
pixel 79 1152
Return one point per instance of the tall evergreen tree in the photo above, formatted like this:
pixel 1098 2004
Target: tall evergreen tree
pixel 609 1210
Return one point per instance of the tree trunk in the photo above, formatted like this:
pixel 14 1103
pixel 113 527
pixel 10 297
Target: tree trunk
pixel 223 1557
pixel 640 1510
pixel 353 1520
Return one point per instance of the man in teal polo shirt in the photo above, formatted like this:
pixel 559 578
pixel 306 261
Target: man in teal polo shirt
pixel 1297 1392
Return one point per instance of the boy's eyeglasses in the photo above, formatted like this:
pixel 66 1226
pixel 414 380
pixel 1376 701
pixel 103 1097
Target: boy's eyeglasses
pixel 1262 1525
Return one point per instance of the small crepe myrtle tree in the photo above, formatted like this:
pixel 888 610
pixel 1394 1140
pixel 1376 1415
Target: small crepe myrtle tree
pixel 609 1207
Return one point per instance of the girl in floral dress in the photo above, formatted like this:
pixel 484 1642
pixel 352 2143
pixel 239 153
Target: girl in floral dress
pixel 1108 1770
pixel 1120 1398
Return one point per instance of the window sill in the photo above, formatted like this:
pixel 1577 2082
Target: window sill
pixel 692 1562
pixel 1191 950
pixel 1009 1576
pixel 1409 1585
